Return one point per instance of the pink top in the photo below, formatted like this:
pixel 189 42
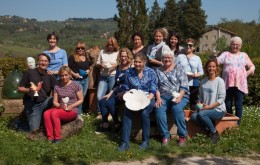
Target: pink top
pixel 234 69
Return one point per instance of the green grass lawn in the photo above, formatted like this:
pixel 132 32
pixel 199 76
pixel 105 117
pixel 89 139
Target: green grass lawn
pixel 87 147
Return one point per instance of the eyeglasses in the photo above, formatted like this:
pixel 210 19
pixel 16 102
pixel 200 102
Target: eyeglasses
pixel 189 45
pixel 80 48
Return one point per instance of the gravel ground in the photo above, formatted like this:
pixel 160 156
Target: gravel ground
pixel 194 160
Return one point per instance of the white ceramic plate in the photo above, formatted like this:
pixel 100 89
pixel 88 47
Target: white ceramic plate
pixel 136 100
pixel 189 73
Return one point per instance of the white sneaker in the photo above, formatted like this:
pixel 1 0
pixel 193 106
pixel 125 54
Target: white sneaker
pixel 80 117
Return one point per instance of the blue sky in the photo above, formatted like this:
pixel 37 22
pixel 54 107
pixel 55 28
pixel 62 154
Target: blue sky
pixel 244 10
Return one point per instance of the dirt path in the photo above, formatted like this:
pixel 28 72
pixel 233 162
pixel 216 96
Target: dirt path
pixel 194 160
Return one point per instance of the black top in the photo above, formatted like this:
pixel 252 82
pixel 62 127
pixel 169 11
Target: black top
pixel 75 66
pixel 33 75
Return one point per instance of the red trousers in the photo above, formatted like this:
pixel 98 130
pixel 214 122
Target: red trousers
pixel 52 121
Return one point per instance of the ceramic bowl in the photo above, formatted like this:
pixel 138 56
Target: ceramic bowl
pixel 136 100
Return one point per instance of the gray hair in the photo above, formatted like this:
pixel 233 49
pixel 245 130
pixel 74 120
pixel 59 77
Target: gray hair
pixel 168 52
pixel 236 39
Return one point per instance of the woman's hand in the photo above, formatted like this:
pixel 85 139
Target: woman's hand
pixel 158 102
pixel 76 76
pixel 49 72
pixel 206 107
pixel 107 96
pixel 178 100
pixel 120 95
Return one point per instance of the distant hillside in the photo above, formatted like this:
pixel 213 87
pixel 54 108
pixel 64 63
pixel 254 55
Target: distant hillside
pixel 23 37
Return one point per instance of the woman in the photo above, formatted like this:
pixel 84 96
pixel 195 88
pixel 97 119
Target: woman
pixel 58 56
pixel 235 75
pixel 193 62
pixel 62 110
pixel 173 42
pixel 212 96
pixel 138 42
pixel 145 79
pixel 115 96
pixel 154 51
pixel 107 62
pixel 172 78
pixel 80 66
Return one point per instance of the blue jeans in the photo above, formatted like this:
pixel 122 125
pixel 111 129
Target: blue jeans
pixel 206 118
pixel 127 123
pixel 108 106
pixel 105 85
pixel 84 86
pixel 34 112
pixel 233 93
pixel 177 114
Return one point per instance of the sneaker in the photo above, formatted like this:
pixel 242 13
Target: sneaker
pixel 110 118
pixel 144 145
pixel 56 141
pixel 214 137
pixel 123 147
pixel 80 117
pixel 99 116
pixel 182 141
pixel 101 130
pixel 118 128
pixel 165 141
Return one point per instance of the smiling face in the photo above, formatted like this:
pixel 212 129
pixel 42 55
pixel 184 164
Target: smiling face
pixel 139 63
pixel 64 76
pixel 158 37
pixel 189 47
pixel 167 60
pixel 52 41
pixel 235 46
pixel 173 41
pixel 80 49
pixel 137 41
pixel 212 69
pixel 123 58
pixel 43 62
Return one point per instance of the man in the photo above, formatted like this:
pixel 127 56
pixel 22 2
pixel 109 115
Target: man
pixel 36 100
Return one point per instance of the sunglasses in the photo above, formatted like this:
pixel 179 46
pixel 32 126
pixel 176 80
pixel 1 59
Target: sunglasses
pixel 80 48
pixel 189 45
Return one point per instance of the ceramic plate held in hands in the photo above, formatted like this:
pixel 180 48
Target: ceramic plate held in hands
pixel 189 73
pixel 136 100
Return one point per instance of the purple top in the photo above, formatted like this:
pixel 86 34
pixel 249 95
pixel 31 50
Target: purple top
pixel 67 91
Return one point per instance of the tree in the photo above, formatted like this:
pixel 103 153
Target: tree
pixel 193 20
pixel 169 16
pixel 132 17
pixel 154 17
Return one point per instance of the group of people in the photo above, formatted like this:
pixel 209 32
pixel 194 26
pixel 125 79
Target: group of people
pixel 160 69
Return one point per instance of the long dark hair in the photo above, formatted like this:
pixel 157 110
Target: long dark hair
pixel 177 35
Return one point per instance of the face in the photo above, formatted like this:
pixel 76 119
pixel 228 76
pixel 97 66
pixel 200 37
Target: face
pixel 167 60
pixel 52 41
pixel 158 37
pixel 65 76
pixel 123 58
pixel 235 46
pixel 189 47
pixel 137 41
pixel 43 62
pixel 139 63
pixel 212 68
pixel 80 49
pixel 173 41
pixel 110 47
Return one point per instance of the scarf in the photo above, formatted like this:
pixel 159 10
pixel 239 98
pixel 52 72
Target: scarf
pixel 154 49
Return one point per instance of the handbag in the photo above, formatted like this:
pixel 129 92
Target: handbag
pixel 196 81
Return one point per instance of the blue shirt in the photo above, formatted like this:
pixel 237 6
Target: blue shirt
pixel 147 83
pixel 173 81
pixel 58 59
pixel 120 79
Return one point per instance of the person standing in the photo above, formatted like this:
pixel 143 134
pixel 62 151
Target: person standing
pixel 57 55
pixel 154 51
pixel 66 99
pixel 107 62
pixel 173 41
pixel 34 105
pixel 235 75
pixel 80 65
